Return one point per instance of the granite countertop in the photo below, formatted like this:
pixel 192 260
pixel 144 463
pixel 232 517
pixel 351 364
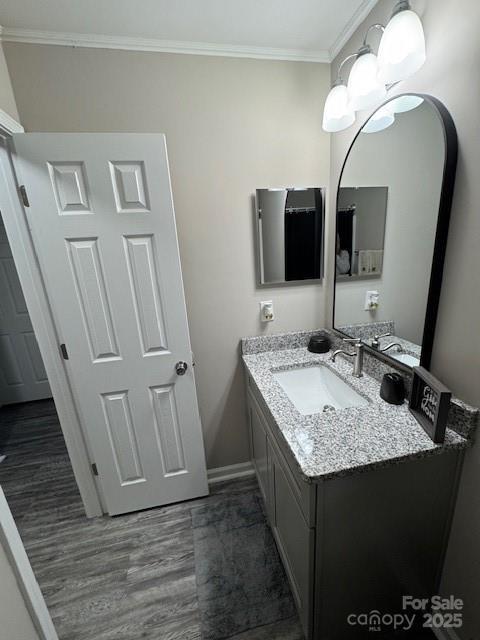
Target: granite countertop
pixel 369 330
pixel 344 441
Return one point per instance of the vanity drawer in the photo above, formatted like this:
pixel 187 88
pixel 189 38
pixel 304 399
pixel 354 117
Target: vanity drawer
pixel 304 492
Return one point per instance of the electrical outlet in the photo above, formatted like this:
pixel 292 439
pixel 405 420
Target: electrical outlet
pixel 266 311
pixel 372 300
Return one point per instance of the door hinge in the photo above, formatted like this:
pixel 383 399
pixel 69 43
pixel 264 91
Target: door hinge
pixel 23 195
pixel 94 469
pixel 63 349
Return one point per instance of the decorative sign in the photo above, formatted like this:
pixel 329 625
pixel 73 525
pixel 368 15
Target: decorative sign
pixel 430 403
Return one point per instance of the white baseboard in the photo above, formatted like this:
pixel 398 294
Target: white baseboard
pixel 242 470
pixel 446 634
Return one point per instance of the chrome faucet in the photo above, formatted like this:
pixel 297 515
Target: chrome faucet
pixel 376 344
pixel 391 345
pixel 357 355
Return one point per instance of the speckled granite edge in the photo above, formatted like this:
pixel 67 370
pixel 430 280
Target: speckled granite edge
pixel 368 330
pixel 463 418
pixel 276 341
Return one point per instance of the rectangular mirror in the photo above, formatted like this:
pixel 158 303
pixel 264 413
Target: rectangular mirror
pixel 393 208
pixel 289 225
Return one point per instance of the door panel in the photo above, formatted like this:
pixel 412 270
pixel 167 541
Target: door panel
pixel 22 374
pixel 10 364
pixel 118 419
pixel 69 187
pixel 129 187
pixel 166 423
pixel 103 225
pixel 145 292
pixel 90 288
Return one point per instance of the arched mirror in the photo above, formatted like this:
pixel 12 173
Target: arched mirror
pixel 393 210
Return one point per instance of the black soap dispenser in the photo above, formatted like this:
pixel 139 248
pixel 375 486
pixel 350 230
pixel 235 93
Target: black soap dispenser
pixel 319 343
pixel 392 389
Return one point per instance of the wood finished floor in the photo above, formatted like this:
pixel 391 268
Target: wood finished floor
pixel 125 578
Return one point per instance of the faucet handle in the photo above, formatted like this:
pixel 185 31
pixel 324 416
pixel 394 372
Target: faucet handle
pixel 382 335
pixel 357 342
pixel 376 340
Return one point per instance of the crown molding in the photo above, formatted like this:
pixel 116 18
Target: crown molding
pixel 352 25
pixel 97 41
pixel 127 43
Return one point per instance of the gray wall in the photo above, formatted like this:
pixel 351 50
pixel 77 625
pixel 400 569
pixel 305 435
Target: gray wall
pixel 7 99
pixel 232 125
pixel 370 212
pixel 453 50
pixel 272 234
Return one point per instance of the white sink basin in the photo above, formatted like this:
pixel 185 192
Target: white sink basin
pixel 406 358
pixel 311 389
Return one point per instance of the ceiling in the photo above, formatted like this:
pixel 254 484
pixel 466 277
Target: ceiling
pixel 283 29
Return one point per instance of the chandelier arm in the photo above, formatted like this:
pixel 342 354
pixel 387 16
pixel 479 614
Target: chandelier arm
pixel 339 71
pixel 373 26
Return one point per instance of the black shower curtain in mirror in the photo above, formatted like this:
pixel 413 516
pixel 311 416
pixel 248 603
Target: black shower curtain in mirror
pixel 303 234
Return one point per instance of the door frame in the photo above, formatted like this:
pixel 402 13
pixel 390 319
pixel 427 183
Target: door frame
pixel 9 125
pixel 24 255
pixel 12 544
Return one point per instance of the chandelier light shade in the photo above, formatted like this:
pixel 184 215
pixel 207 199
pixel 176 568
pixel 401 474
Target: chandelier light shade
pixel 405 103
pixel 401 53
pixel 337 114
pixel 365 90
pixel 402 48
pixel 381 119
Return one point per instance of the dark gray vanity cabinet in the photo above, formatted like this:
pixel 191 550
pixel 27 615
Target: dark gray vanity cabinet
pixel 295 539
pixel 290 506
pixel 259 450
pixel 355 543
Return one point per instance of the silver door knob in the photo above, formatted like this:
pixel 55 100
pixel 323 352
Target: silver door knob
pixel 181 368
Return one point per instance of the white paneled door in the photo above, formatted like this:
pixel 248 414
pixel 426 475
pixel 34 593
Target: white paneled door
pixel 103 225
pixel 22 374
